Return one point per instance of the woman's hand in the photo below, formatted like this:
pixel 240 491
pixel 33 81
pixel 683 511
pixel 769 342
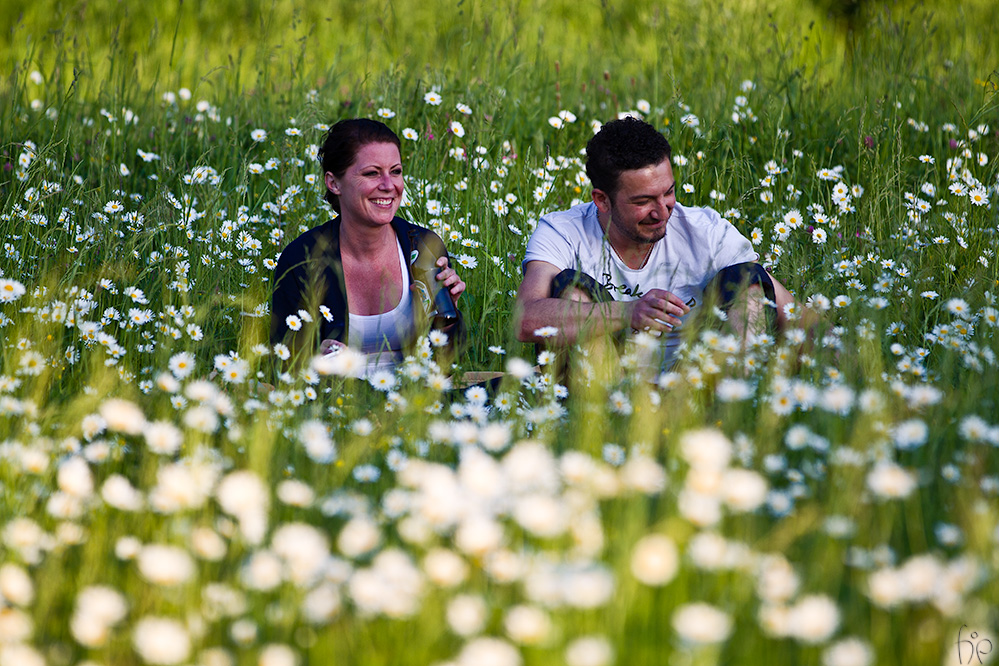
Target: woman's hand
pixel 329 346
pixel 451 281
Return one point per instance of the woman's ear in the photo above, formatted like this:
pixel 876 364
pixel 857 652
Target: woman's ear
pixel 331 183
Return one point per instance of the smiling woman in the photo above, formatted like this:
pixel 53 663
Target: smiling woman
pixel 350 282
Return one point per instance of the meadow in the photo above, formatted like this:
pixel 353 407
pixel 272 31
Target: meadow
pixel 176 490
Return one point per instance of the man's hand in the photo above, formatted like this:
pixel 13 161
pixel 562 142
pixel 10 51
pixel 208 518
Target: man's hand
pixel 657 310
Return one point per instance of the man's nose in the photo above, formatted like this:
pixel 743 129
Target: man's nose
pixel 660 211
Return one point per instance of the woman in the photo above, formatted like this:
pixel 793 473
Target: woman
pixel 362 278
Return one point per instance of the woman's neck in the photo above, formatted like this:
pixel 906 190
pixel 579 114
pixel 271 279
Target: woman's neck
pixel 360 241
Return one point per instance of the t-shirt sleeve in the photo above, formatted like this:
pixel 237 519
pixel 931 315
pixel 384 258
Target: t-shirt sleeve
pixel 549 244
pixel 731 247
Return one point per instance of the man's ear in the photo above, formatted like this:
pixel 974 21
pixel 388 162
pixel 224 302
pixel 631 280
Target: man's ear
pixel 331 183
pixel 602 200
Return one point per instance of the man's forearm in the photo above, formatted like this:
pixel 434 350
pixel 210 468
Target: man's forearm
pixel 573 319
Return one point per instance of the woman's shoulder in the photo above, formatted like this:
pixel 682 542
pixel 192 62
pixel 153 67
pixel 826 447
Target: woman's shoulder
pixel 309 239
pixel 413 232
pixel 311 245
pixel 413 238
pixel 405 226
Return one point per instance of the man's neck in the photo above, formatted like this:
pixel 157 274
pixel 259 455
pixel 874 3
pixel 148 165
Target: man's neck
pixel 634 254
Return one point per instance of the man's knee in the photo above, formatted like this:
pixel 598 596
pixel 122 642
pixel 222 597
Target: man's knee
pixel 577 286
pixel 577 295
pixel 752 300
pixel 732 279
pixel 746 290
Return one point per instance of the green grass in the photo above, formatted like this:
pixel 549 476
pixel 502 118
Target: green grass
pixel 198 227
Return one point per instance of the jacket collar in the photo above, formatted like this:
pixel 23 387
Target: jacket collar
pixel 336 298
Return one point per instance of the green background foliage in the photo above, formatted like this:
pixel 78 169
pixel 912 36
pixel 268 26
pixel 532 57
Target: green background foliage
pixel 265 45
pixel 873 90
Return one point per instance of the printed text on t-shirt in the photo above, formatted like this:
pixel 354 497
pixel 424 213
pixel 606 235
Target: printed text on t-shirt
pixel 634 292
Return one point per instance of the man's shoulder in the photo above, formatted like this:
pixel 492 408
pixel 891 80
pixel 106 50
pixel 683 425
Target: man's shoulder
pixel 563 237
pixel 576 222
pixel 707 236
pixel 701 224
pixel 578 212
pixel 697 217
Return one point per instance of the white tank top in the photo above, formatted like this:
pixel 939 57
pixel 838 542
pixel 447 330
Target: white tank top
pixel 381 337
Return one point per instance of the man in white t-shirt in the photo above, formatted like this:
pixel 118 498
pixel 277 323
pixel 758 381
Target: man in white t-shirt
pixel 635 259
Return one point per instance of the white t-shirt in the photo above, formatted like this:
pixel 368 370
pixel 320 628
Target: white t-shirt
pixel 698 243
pixel 381 337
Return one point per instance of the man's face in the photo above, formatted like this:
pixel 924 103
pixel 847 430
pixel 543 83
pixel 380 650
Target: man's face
pixel 642 205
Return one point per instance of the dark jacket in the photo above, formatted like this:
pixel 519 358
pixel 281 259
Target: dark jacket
pixel 310 273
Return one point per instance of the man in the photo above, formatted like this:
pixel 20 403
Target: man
pixel 634 258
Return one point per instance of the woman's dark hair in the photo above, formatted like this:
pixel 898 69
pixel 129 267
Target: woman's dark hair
pixel 342 143
pixel 623 145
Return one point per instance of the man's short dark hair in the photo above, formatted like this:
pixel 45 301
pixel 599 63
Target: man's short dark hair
pixel 623 145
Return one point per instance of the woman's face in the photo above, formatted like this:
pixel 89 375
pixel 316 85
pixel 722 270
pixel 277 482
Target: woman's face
pixel 370 190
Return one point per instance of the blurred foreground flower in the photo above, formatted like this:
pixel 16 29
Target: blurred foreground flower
pixel 889 481
pixel 347 362
pixel 655 560
pixel 10 290
pixel 701 623
pixel 161 641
